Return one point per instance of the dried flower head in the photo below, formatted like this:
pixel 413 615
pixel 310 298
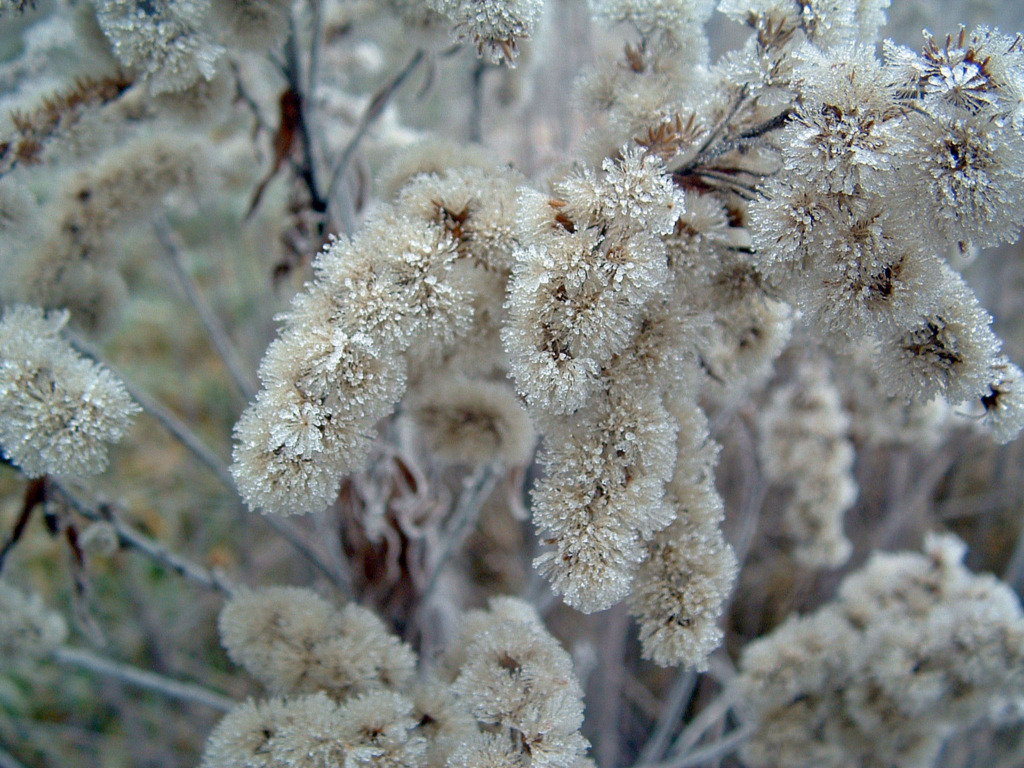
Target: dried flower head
pixel 59 409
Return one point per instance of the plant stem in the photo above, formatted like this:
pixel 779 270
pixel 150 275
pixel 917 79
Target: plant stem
pixel 150 681
pixel 677 699
pixel 130 538
pixel 7 760
pixel 214 327
pixel 373 110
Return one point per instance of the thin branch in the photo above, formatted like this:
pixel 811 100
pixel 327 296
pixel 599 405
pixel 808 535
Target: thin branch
pixel 477 104
pixel 710 152
pixel 130 538
pixel 613 677
pixel 293 74
pixel 712 751
pixel 672 710
pixel 150 681
pixel 715 133
pixel 214 327
pixel 475 490
pixel 34 494
pixel 208 458
pixel 373 110
pixel 337 574
pixel 175 426
pixel 707 717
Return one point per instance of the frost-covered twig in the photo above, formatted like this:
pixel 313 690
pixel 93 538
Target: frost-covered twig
pixel 180 431
pixel 672 709
pixel 214 327
pixel 130 538
pixel 713 751
pixel 175 426
pixel 475 490
pixel 373 110
pixel 707 717
pixel 150 681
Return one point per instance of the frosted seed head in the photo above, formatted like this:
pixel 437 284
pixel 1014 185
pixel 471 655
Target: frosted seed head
pixel 467 421
pixel 165 41
pixel 1004 401
pixel 679 592
pixel 272 633
pixel 28 629
pixel 60 410
pixel 948 351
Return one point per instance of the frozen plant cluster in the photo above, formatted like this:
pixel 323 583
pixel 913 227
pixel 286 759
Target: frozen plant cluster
pixel 28 629
pixel 915 648
pixel 663 340
pixel 346 691
pixel 804 443
pixel 60 410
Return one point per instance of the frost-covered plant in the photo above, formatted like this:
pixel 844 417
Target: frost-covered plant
pixel 648 303
pixel 507 696
pixel 914 649
pixel 804 444
pixel 60 410
pixel 28 629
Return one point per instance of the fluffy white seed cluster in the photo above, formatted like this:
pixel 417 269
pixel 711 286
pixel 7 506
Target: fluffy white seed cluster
pixel 603 313
pixel 1004 401
pixel 575 305
pixel 293 641
pixel 346 693
pixel 936 133
pixel 689 570
pixel 676 25
pixel 804 444
pixel 166 41
pixel 28 629
pixel 519 684
pixel 71 259
pixel 59 410
pixel 915 648
pixel 471 421
pixel 384 308
pixel 495 26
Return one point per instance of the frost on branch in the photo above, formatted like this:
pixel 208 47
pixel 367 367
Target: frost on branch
pixel 391 303
pixel 915 648
pixel 59 409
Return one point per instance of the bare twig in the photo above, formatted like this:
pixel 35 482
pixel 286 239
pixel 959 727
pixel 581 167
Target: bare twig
pixel 150 681
pixel 218 468
pixel 697 727
pixel 613 677
pixel 293 74
pixel 477 104
pixel 34 494
pixel 175 426
pixel 672 710
pixel 475 490
pixel 712 751
pixel 373 110
pixel 214 327
pixel 130 538
pixel 337 573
